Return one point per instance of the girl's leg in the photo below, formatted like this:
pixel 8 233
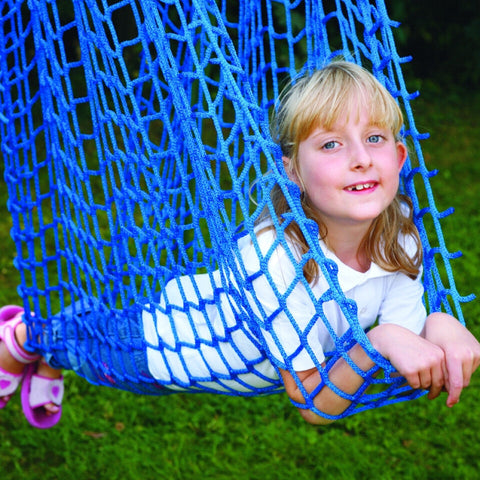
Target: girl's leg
pixel 105 350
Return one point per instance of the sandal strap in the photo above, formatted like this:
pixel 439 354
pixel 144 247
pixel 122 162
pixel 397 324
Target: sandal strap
pixel 7 312
pixel 7 334
pixel 45 390
pixel 9 382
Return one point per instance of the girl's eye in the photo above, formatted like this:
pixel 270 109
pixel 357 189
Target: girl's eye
pixel 330 145
pixel 374 138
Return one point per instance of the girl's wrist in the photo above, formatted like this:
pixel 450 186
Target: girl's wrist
pixel 360 358
pixel 381 337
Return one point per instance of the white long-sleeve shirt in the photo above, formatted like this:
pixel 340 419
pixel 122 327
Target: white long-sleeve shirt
pixel 204 343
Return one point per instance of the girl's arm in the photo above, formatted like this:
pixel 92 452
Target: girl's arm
pixel 461 349
pixel 341 374
pixel 418 360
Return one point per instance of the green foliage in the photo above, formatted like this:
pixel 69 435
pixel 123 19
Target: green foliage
pixel 442 38
pixel 108 434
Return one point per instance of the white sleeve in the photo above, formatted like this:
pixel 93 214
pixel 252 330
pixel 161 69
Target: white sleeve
pixel 403 303
pixel 403 300
pixel 290 332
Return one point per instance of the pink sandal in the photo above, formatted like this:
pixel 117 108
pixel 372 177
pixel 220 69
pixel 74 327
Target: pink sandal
pixel 38 391
pixel 9 383
pixel 10 317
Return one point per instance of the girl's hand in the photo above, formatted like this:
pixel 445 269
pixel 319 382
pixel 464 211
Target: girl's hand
pixel 461 348
pixel 421 362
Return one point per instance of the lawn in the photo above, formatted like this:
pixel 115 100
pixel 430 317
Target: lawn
pixel 110 434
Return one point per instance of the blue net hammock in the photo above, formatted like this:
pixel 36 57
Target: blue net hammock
pixel 132 132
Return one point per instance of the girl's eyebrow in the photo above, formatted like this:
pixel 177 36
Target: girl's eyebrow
pixel 319 131
pixel 377 124
pixel 319 135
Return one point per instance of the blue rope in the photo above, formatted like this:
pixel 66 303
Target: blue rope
pixel 130 156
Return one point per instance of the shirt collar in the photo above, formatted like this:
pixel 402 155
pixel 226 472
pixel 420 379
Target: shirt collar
pixel 348 277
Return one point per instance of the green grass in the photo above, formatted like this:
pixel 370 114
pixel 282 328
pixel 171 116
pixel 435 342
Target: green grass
pixel 109 434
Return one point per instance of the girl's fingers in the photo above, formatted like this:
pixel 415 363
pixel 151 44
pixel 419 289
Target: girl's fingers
pixel 425 379
pixel 455 382
pixel 438 382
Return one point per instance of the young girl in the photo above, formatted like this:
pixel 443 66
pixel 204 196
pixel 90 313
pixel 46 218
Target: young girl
pixel 338 132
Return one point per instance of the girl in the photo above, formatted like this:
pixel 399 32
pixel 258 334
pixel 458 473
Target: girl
pixel 338 132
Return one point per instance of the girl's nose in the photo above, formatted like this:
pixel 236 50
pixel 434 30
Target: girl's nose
pixel 360 157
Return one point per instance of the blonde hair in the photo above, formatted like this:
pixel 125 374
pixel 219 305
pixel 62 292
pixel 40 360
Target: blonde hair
pixel 320 100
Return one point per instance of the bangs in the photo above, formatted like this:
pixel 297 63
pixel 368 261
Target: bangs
pixel 336 103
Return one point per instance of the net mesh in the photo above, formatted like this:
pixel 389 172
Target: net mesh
pixel 132 132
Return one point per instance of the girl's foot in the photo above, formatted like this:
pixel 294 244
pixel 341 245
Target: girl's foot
pixel 12 356
pixel 46 371
pixel 42 388
pixel 42 393
pixel 42 368
pixel 10 376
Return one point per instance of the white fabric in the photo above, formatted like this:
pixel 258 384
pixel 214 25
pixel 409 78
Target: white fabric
pixel 390 297
pixel 190 334
pixel 386 296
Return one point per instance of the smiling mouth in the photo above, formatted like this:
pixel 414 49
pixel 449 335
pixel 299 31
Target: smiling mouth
pixel 360 186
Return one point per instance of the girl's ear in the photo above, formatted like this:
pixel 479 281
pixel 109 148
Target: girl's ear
pixel 287 163
pixel 402 153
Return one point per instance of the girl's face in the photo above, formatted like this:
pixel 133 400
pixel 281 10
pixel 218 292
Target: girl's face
pixel 350 172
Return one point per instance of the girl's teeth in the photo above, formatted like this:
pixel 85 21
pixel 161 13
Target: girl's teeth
pixel 361 186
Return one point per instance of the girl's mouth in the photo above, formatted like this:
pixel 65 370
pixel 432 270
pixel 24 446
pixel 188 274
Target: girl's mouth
pixel 360 186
